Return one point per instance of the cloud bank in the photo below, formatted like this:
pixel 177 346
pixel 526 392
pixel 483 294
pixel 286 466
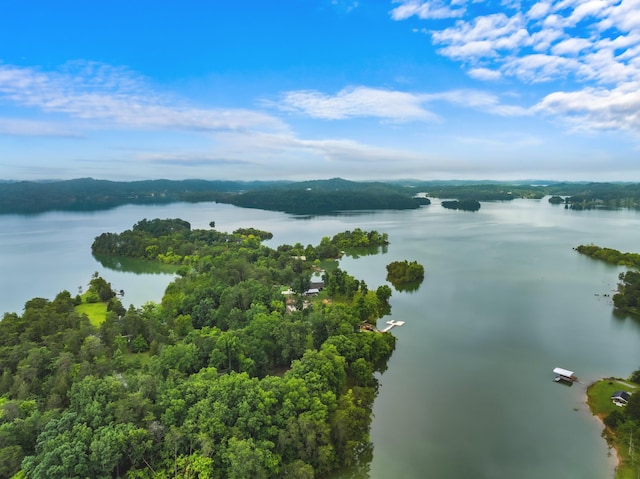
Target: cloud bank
pixel 592 44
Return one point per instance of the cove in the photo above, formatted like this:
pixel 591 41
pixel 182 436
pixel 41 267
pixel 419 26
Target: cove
pixel 469 391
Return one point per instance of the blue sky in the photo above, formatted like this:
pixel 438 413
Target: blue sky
pixel 309 89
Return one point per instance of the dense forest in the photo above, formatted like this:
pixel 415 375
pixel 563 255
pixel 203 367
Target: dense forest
pixel 306 197
pixel 251 366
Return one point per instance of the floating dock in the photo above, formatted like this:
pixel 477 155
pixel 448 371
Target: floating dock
pixel 392 324
pixel 564 375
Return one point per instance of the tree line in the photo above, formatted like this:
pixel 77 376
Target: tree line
pixel 306 197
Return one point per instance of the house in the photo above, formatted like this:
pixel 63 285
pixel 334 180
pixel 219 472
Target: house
pixel 620 398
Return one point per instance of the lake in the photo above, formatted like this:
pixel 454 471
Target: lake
pixel 469 391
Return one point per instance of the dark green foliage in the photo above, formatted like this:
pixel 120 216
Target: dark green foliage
pixel 87 194
pixel 480 192
pixel 609 255
pixel 400 273
pixel 315 197
pixel 244 232
pixel 309 197
pixel 359 239
pixel 627 298
pixel 465 205
pixel 217 381
pixel 99 287
pixel 632 409
pixel 158 227
pixel 614 419
pixel 635 376
pixel 326 197
pixel 580 195
pixel 556 200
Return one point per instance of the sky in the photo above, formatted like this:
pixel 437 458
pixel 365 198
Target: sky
pixel 313 89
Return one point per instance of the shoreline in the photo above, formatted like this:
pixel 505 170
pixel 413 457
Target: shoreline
pixel 612 453
pixel 607 433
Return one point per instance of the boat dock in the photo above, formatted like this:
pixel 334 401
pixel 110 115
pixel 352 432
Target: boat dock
pixel 564 375
pixel 392 324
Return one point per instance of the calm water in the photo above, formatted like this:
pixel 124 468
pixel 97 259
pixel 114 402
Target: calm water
pixel 469 390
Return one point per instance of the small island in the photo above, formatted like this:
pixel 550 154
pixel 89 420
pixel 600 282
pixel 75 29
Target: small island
pixel 405 275
pixel 464 205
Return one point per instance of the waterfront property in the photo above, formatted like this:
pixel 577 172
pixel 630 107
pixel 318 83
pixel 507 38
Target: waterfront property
pixel 620 398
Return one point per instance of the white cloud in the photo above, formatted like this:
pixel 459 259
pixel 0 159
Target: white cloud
pixel 570 46
pixel 21 127
pixel 114 97
pixel 624 16
pixel 597 108
pixel 436 9
pixel 539 10
pixel 539 67
pixel 594 43
pixel 357 102
pixel 484 74
pixel 482 37
pixel 390 105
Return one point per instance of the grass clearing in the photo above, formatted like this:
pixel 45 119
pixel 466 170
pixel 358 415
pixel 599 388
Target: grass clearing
pixel 96 312
pixel 138 359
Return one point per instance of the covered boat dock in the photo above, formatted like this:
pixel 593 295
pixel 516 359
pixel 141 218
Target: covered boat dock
pixel 564 375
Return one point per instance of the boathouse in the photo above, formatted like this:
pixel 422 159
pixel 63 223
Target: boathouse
pixel 564 375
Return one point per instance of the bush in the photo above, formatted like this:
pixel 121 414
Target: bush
pixel 614 419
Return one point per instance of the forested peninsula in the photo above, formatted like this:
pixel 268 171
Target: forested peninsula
pixel 258 362
pixel 317 197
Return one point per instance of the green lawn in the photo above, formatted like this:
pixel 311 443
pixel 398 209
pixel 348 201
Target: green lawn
pixel 97 312
pixel 599 400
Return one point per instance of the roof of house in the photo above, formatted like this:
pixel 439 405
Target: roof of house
pixel 621 395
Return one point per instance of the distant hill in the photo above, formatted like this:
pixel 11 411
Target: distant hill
pixel 309 197
pixel 303 197
pixel 90 194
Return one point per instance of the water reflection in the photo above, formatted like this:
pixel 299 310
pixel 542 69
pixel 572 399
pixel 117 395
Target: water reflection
pixel 356 253
pixel 134 265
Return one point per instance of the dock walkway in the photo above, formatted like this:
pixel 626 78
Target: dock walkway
pixel 392 324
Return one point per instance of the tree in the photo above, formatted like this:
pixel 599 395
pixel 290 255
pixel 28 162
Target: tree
pixel 632 410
